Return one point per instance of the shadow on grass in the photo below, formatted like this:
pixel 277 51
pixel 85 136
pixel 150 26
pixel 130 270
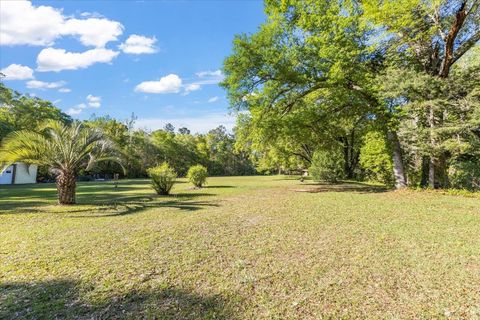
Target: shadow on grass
pixel 96 199
pixel 218 187
pixel 63 299
pixel 352 187
pixel 289 178
pixel 132 208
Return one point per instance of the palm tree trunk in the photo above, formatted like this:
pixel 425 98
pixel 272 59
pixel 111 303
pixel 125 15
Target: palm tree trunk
pixel 66 185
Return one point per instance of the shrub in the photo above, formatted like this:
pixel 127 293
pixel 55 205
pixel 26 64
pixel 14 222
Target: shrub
pixel 197 175
pixel 375 158
pixel 327 165
pixel 163 177
pixel 465 175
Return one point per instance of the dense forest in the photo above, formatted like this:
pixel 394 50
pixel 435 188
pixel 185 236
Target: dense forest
pixel 388 90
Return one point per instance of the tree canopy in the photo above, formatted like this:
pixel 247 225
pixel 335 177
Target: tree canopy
pixel 320 74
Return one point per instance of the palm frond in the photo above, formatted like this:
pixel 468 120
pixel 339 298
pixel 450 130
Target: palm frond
pixel 59 146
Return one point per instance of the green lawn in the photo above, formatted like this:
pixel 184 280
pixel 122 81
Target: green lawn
pixel 242 248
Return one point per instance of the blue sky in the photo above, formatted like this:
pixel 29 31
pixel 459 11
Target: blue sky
pixel 158 59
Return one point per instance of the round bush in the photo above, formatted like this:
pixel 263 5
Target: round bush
pixel 197 175
pixel 163 178
pixel 327 165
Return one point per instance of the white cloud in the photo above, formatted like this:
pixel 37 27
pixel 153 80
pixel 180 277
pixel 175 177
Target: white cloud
pixel 94 101
pixel 191 87
pixel 208 73
pixel 93 31
pixel 209 77
pixel 213 99
pixel 91 102
pixel 206 78
pixel 76 110
pixel 17 72
pixel 25 24
pixel 64 90
pixel 36 84
pixel 136 44
pixel 91 15
pixel 51 59
pixel 168 84
pixel 173 83
pixel 200 124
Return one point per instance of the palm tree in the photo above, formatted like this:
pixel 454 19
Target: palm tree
pixel 64 148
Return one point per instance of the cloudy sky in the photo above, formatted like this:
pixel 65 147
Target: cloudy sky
pixel 158 59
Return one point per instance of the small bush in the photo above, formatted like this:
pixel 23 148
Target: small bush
pixel 465 175
pixel 375 158
pixel 327 165
pixel 163 178
pixel 197 175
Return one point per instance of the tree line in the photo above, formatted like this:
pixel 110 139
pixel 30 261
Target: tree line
pixel 138 149
pixel 391 86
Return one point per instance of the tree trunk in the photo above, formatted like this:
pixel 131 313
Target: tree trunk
pixel 424 171
pixel 346 156
pixel 431 164
pixel 431 173
pixel 66 184
pixel 349 154
pixel 448 59
pixel 443 169
pixel 398 169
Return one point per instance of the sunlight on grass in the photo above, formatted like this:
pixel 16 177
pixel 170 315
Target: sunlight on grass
pixel 243 247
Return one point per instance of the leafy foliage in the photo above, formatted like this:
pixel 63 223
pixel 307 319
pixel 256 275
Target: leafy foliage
pixel 319 73
pixel 327 165
pixel 24 112
pixel 58 146
pixel 163 178
pixel 375 158
pixel 465 175
pixel 197 175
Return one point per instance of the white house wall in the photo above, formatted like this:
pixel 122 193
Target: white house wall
pixel 25 174
pixel 6 176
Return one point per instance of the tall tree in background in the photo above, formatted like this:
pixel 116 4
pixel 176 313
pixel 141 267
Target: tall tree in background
pixel 306 79
pixel 23 112
pixel 425 37
pixel 317 72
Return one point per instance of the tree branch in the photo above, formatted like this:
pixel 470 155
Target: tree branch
pixel 464 47
pixel 460 17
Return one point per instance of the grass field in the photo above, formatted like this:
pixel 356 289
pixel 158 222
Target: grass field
pixel 242 248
